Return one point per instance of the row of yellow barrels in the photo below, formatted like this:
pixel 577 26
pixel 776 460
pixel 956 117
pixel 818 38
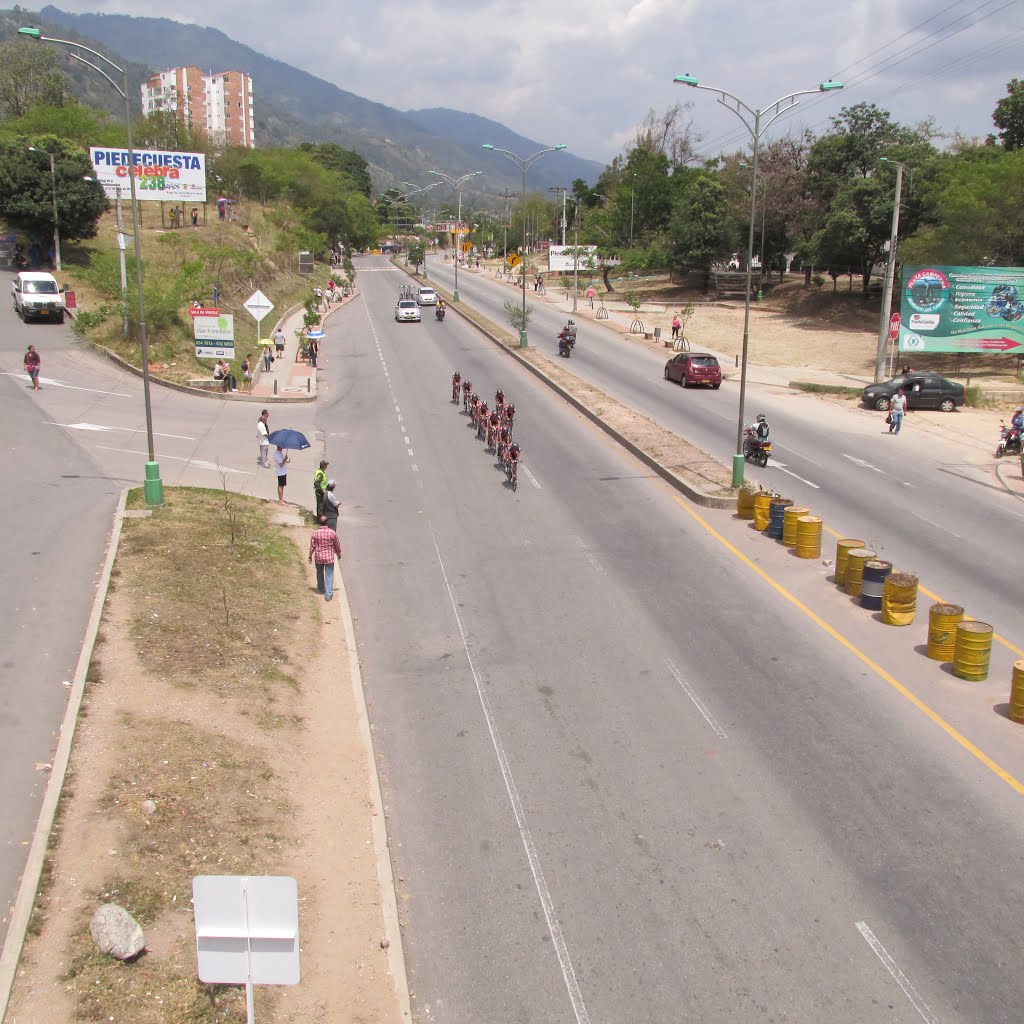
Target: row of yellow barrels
pixel 951 637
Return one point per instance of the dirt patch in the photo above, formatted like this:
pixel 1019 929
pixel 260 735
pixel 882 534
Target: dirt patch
pixel 221 678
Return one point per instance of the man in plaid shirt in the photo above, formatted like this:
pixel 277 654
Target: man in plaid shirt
pixel 324 546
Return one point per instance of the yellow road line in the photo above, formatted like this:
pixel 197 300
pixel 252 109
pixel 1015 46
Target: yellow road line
pixel 941 600
pixel 964 742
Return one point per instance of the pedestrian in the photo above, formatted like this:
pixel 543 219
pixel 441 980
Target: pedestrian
pixel 263 436
pixel 319 485
pixel 314 351
pixel 221 207
pixel 325 547
pixel 247 373
pixel 268 358
pixel 216 294
pixel 331 505
pixel 897 407
pixel 32 363
pixel 281 461
pixel 195 216
pixel 590 295
pixel 675 326
pixel 279 340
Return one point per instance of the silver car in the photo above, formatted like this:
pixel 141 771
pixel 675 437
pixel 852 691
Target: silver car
pixel 407 309
pixel 427 297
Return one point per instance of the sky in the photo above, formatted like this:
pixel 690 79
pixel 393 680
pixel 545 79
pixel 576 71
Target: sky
pixel 586 72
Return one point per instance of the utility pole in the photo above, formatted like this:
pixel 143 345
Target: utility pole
pixel 504 227
pixel 561 190
pixel 576 255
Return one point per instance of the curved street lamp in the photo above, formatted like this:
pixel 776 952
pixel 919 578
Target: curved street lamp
pixel 524 164
pixel 53 189
pixel 755 121
pixel 423 190
pixel 457 183
pixel 154 488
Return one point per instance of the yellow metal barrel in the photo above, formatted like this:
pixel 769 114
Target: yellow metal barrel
pixel 789 518
pixel 942 622
pixel 899 599
pixel 745 503
pixel 808 537
pixel 972 650
pixel 855 559
pixel 1016 711
pixel 843 548
pixel 762 509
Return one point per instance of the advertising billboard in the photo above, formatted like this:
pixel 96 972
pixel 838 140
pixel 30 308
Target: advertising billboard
pixel 560 257
pixel 962 309
pixel 215 336
pixel 175 177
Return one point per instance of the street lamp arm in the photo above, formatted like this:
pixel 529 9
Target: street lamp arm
pixel 34 33
pixel 96 67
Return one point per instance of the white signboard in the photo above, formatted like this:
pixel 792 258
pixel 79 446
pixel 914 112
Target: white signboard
pixel 176 177
pixel 258 305
pixel 247 929
pixel 560 257
pixel 215 336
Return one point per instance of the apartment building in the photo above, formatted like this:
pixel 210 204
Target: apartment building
pixel 220 105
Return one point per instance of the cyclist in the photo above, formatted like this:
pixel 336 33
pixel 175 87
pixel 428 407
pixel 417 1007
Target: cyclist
pixel 513 459
pixel 499 399
pixel 493 423
pixel 456 382
pixel 510 415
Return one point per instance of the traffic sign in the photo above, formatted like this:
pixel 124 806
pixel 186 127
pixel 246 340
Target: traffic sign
pixel 258 305
pixel 894 327
pixel 195 311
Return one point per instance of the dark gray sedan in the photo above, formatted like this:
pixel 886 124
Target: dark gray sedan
pixel 923 391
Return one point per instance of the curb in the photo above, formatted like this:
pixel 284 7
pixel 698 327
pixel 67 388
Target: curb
pixel 1002 478
pixel 697 497
pixel 29 887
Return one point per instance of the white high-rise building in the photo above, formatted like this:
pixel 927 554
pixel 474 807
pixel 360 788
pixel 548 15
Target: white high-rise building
pixel 219 105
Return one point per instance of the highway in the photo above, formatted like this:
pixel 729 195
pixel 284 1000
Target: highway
pixel 639 762
pixel 915 500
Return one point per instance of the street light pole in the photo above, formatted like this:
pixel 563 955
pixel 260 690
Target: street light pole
pixel 56 222
pixel 457 183
pixel 576 255
pixel 153 487
pixel 632 206
pixel 756 121
pixel 120 253
pixel 524 164
pixel 413 189
pixel 504 228
pixel 890 271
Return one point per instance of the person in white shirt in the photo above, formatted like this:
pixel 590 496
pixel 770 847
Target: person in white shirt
pixel 281 461
pixel 263 437
pixel 897 407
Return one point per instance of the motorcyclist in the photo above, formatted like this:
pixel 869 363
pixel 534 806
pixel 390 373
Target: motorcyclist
pixel 439 309
pixel 758 431
pixel 1017 421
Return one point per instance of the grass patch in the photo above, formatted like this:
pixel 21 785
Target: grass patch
pixel 825 389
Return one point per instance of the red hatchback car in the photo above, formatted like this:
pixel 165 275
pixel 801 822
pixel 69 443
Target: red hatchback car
pixel 694 368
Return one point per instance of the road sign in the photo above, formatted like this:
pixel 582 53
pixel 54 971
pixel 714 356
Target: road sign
pixel 894 327
pixel 467 247
pixel 214 335
pixel 258 305
pixel 195 311
pixel 513 260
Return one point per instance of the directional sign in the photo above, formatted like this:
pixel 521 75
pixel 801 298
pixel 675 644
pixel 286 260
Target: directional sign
pixel 258 305
pixel 195 311
pixel 513 260
pixel 894 327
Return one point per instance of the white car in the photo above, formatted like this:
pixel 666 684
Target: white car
pixel 37 297
pixel 407 309
pixel 427 297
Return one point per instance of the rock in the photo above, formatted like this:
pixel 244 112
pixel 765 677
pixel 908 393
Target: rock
pixel 149 807
pixel 116 932
pixel 384 943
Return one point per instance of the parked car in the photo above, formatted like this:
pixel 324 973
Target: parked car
pixel 37 297
pixel 407 309
pixel 427 297
pixel 694 368
pixel 923 391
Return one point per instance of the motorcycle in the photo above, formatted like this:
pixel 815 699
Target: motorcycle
pixel 439 313
pixel 754 449
pixel 567 339
pixel 1009 441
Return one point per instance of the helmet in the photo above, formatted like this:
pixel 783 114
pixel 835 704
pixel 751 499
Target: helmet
pixel 499 393
pixel 510 409
pixel 1019 409
pixel 761 418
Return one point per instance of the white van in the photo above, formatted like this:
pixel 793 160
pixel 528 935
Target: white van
pixel 37 297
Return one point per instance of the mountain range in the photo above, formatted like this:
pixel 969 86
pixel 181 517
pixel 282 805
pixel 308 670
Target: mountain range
pixel 293 106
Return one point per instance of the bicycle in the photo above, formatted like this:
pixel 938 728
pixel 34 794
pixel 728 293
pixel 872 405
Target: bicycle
pixel 456 387
pixel 512 470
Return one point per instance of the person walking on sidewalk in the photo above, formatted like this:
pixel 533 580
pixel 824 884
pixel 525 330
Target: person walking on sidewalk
pixel 896 410
pixel 32 363
pixel 590 296
pixel 331 505
pixel 263 436
pixel 268 358
pixel 279 340
pixel 281 461
pixel 675 326
pixel 247 373
pixel 314 352
pixel 324 547
pixel 319 486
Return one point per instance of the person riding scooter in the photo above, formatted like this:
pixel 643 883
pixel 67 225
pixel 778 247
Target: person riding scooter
pixel 439 309
pixel 567 338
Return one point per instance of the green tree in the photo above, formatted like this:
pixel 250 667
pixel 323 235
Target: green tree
pixel 345 161
pixel 71 122
pixel 702 229
pixel 1009 115
pixel 26 190
pixel 29 75
pixel 417 255
pixel 163 129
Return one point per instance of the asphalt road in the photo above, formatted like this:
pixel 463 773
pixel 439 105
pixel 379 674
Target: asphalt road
pixel 930 512
pixel 640 763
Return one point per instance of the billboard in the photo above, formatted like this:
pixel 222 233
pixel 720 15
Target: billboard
pixel 215 336
pixel 560 257
pixel 962 309
pixel 176 177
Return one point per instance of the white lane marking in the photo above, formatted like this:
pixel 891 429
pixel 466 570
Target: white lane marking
pixel 198 463
pixel 530 476
pixel 898 976
pixel 589 557
pixel 60 384
pixel 131 430
pixel 546 902
pixel 697 702
pixel 406 439
pixel 410 451
pixel 789 472
pixel 932 522
pixel 862 463
pixel 415 468
pixel 790 448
